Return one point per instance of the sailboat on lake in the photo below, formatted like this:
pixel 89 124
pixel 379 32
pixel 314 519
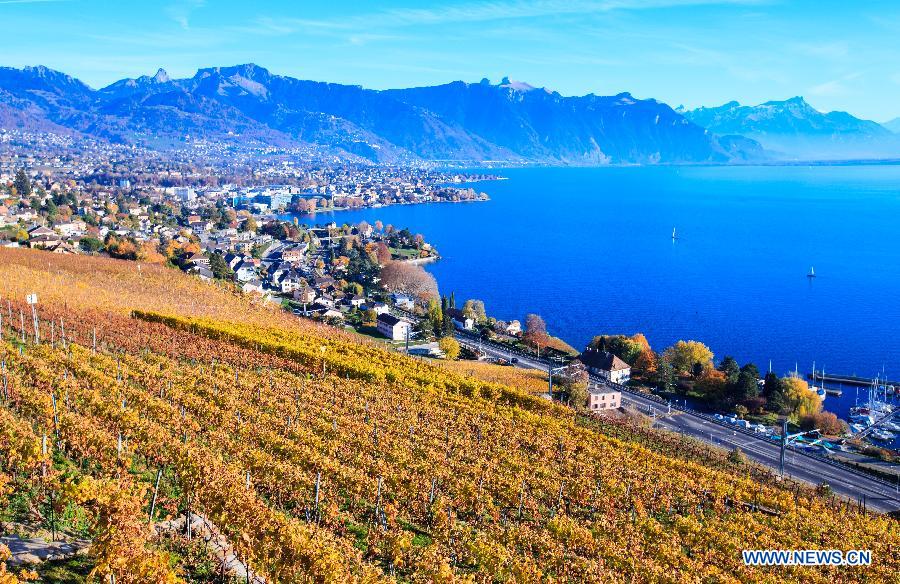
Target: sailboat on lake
pixel 812 272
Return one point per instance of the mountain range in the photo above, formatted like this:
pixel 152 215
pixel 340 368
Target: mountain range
pixel 474 122
pixel 510 121
pixel 794 129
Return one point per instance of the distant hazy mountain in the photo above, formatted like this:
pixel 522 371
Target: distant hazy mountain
pixel 538 124
pixel 510 121
pixel 893 125
pixel 794 129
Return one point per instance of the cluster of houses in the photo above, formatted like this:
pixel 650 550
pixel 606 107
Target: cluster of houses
pixel 133 202
pixel 95 214
pixel 297 270
pixel 508 331
pixel 58 240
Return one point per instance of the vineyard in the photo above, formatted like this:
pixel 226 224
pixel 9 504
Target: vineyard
pixel 529 380
pixel 144 395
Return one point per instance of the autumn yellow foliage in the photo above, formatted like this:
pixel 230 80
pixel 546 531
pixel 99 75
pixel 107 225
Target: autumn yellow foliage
pixel 528 380
pixel 803 400
pixel 325 459
pixel 684 355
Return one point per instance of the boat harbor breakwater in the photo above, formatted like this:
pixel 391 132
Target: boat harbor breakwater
pixel 850 380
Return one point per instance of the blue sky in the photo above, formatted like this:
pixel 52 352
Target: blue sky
pixel 691 52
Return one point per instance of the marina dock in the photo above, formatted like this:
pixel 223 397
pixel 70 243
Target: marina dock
pixel 847 380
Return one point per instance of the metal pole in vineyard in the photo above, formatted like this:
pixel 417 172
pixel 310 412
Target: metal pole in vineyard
pixel 155 493
pixel 318 483
pixel 32 299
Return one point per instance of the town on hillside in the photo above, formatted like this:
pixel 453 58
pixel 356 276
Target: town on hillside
pixel 72 196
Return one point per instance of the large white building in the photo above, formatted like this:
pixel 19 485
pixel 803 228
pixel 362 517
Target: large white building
pixel 184 194
pixel 394 328
pixel 606 365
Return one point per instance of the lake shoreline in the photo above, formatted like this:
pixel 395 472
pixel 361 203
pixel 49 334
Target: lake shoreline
pixel 600 259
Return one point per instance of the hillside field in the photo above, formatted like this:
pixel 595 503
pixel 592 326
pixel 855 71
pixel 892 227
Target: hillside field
pixel 324 458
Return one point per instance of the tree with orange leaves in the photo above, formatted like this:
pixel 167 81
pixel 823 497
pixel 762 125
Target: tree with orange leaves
pixel 382 253
pixel 646 362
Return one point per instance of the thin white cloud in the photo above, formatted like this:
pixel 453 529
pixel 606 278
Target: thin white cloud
pixel 506 10
pixel 477 12
pixel 182 10
pixel 835 50
pixel 834 87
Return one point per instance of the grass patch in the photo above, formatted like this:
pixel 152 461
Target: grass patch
pixel 403 253
pixel 72 571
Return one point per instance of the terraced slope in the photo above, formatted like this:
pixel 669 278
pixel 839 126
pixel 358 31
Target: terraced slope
pixel 326 459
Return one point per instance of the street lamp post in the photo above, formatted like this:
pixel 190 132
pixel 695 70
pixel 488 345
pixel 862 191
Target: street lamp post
pixel 550 371
pixel 785 440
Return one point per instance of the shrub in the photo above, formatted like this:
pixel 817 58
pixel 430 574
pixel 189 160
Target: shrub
pixel 826 422
pixel 450 348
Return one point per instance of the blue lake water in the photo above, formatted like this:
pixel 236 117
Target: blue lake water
pixel 590 250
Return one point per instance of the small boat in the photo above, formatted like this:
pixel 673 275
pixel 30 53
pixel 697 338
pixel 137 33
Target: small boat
pixel 812 273
pixel 882 435
pixel 882 407
pixel 674 237
pixel 820 390
pixel 862 419
pixel 857 428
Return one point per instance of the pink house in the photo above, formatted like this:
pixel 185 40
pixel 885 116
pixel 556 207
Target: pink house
pixel 603 398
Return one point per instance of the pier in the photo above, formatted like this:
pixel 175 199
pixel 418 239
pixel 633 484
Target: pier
pixel 847 380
